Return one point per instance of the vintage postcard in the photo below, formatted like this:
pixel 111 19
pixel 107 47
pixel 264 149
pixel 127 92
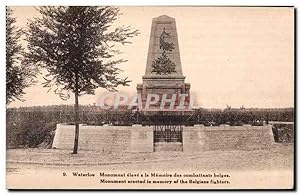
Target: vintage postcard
pixel 137 97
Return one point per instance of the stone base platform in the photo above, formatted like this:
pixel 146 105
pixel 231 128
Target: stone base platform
pixel 168 146
pixel 138 138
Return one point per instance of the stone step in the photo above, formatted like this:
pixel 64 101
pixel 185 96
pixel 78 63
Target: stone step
pixel 168 146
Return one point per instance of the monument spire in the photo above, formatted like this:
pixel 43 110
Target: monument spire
pixel 163 76
pixel 163 54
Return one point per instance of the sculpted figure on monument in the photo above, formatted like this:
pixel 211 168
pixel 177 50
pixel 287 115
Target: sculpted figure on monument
pixel 164 45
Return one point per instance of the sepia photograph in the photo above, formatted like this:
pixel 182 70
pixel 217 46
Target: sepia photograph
pixel 150 97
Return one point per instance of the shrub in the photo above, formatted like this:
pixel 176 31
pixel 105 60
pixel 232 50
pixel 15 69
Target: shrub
pixel 29 132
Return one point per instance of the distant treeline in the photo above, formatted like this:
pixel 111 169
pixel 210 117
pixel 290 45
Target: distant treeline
pixel 95 115
pixel 87 108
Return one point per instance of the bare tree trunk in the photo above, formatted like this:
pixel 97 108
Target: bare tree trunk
pixel 76 124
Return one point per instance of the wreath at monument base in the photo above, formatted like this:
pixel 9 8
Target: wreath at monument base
pixel 163 65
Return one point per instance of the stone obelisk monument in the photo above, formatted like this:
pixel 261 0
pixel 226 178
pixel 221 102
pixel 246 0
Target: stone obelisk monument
pixel 163 69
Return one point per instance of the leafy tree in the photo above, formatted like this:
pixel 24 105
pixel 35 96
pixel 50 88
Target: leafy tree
pixel 18 75
pixel 75 44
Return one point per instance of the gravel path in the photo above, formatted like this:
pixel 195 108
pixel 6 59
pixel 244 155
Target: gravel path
pixel 42 168
pixel 280 156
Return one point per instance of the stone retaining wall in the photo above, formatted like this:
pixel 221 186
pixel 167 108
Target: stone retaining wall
pixel 101 138
pixel 227 137
pixel 138 138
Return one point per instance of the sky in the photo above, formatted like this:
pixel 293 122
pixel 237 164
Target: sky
pixel 237 56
